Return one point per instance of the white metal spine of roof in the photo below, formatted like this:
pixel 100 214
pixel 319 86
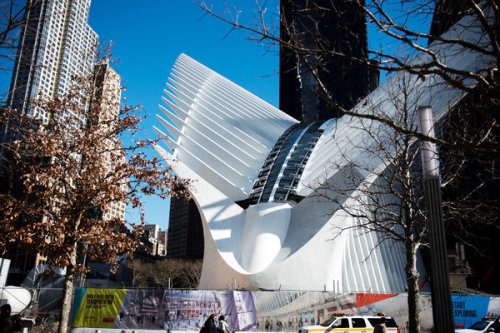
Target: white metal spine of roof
pixel 171 144
pixel 244 99
pixel 201 170
pixel 218 128
pixel 215 137
pixel 223 135
pixel 247 121
pixel 230 88
pixel 193 144
pixel 206 105
pixel 213 146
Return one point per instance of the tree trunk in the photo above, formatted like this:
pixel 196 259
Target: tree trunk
pixel 412 277
pixel 64 325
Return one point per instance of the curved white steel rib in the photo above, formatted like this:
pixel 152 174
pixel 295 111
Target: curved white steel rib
pixel 216 127
pixel 220 136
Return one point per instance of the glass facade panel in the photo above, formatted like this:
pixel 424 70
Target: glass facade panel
pixel 284 165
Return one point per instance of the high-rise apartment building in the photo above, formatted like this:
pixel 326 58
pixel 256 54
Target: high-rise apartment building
pixel 107 97
pixel 162 243
pixel 155 240
pixel 56 43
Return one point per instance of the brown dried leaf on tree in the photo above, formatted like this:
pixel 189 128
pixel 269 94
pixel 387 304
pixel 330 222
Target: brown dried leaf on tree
pixel 65 172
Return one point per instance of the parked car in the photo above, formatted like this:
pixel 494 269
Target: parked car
pixel 340 322
pixel 483 325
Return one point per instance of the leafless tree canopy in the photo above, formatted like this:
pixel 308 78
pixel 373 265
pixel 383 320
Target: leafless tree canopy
pixel 11 19
pixel 180 273
pixel 399 31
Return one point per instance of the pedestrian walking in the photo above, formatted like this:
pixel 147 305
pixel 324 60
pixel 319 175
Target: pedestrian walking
pixel 8 323
pixel 222 327
pixel 496 325
pixel 210 326
pixel 381 327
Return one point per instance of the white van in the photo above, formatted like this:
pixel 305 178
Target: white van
pixel 340 322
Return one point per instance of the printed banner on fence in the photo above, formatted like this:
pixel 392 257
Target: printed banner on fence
pixel 165 309
pixel 291 310
pixel 469 309
pixel 187 310
pixel 98 307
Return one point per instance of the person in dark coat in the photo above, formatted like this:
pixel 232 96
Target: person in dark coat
pixel 222 327
pixel 210 326
pixel 381 327
pixel 496 325
pixel 8 324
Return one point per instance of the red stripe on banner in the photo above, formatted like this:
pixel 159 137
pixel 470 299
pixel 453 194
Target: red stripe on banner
pixel 363 299
pixel 422 284
pixel 107 320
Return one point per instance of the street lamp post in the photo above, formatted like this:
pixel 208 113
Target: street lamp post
pixel 440 283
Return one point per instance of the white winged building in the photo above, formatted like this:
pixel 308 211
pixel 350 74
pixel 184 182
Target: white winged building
pixel 255 170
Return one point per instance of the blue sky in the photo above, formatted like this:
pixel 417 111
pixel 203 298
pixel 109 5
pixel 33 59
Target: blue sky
pixel 149 35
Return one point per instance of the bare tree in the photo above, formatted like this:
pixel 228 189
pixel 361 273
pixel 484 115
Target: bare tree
pixel 381 191
pixel 187 273
pixel 66 172
pixel 394 23
pixel 176 273
pixel 12 17
pixel 162 273
pixel 140 273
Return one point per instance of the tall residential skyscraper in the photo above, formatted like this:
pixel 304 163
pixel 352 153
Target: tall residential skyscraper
pixel 335 25
pixel 108 96
pixel 56 43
